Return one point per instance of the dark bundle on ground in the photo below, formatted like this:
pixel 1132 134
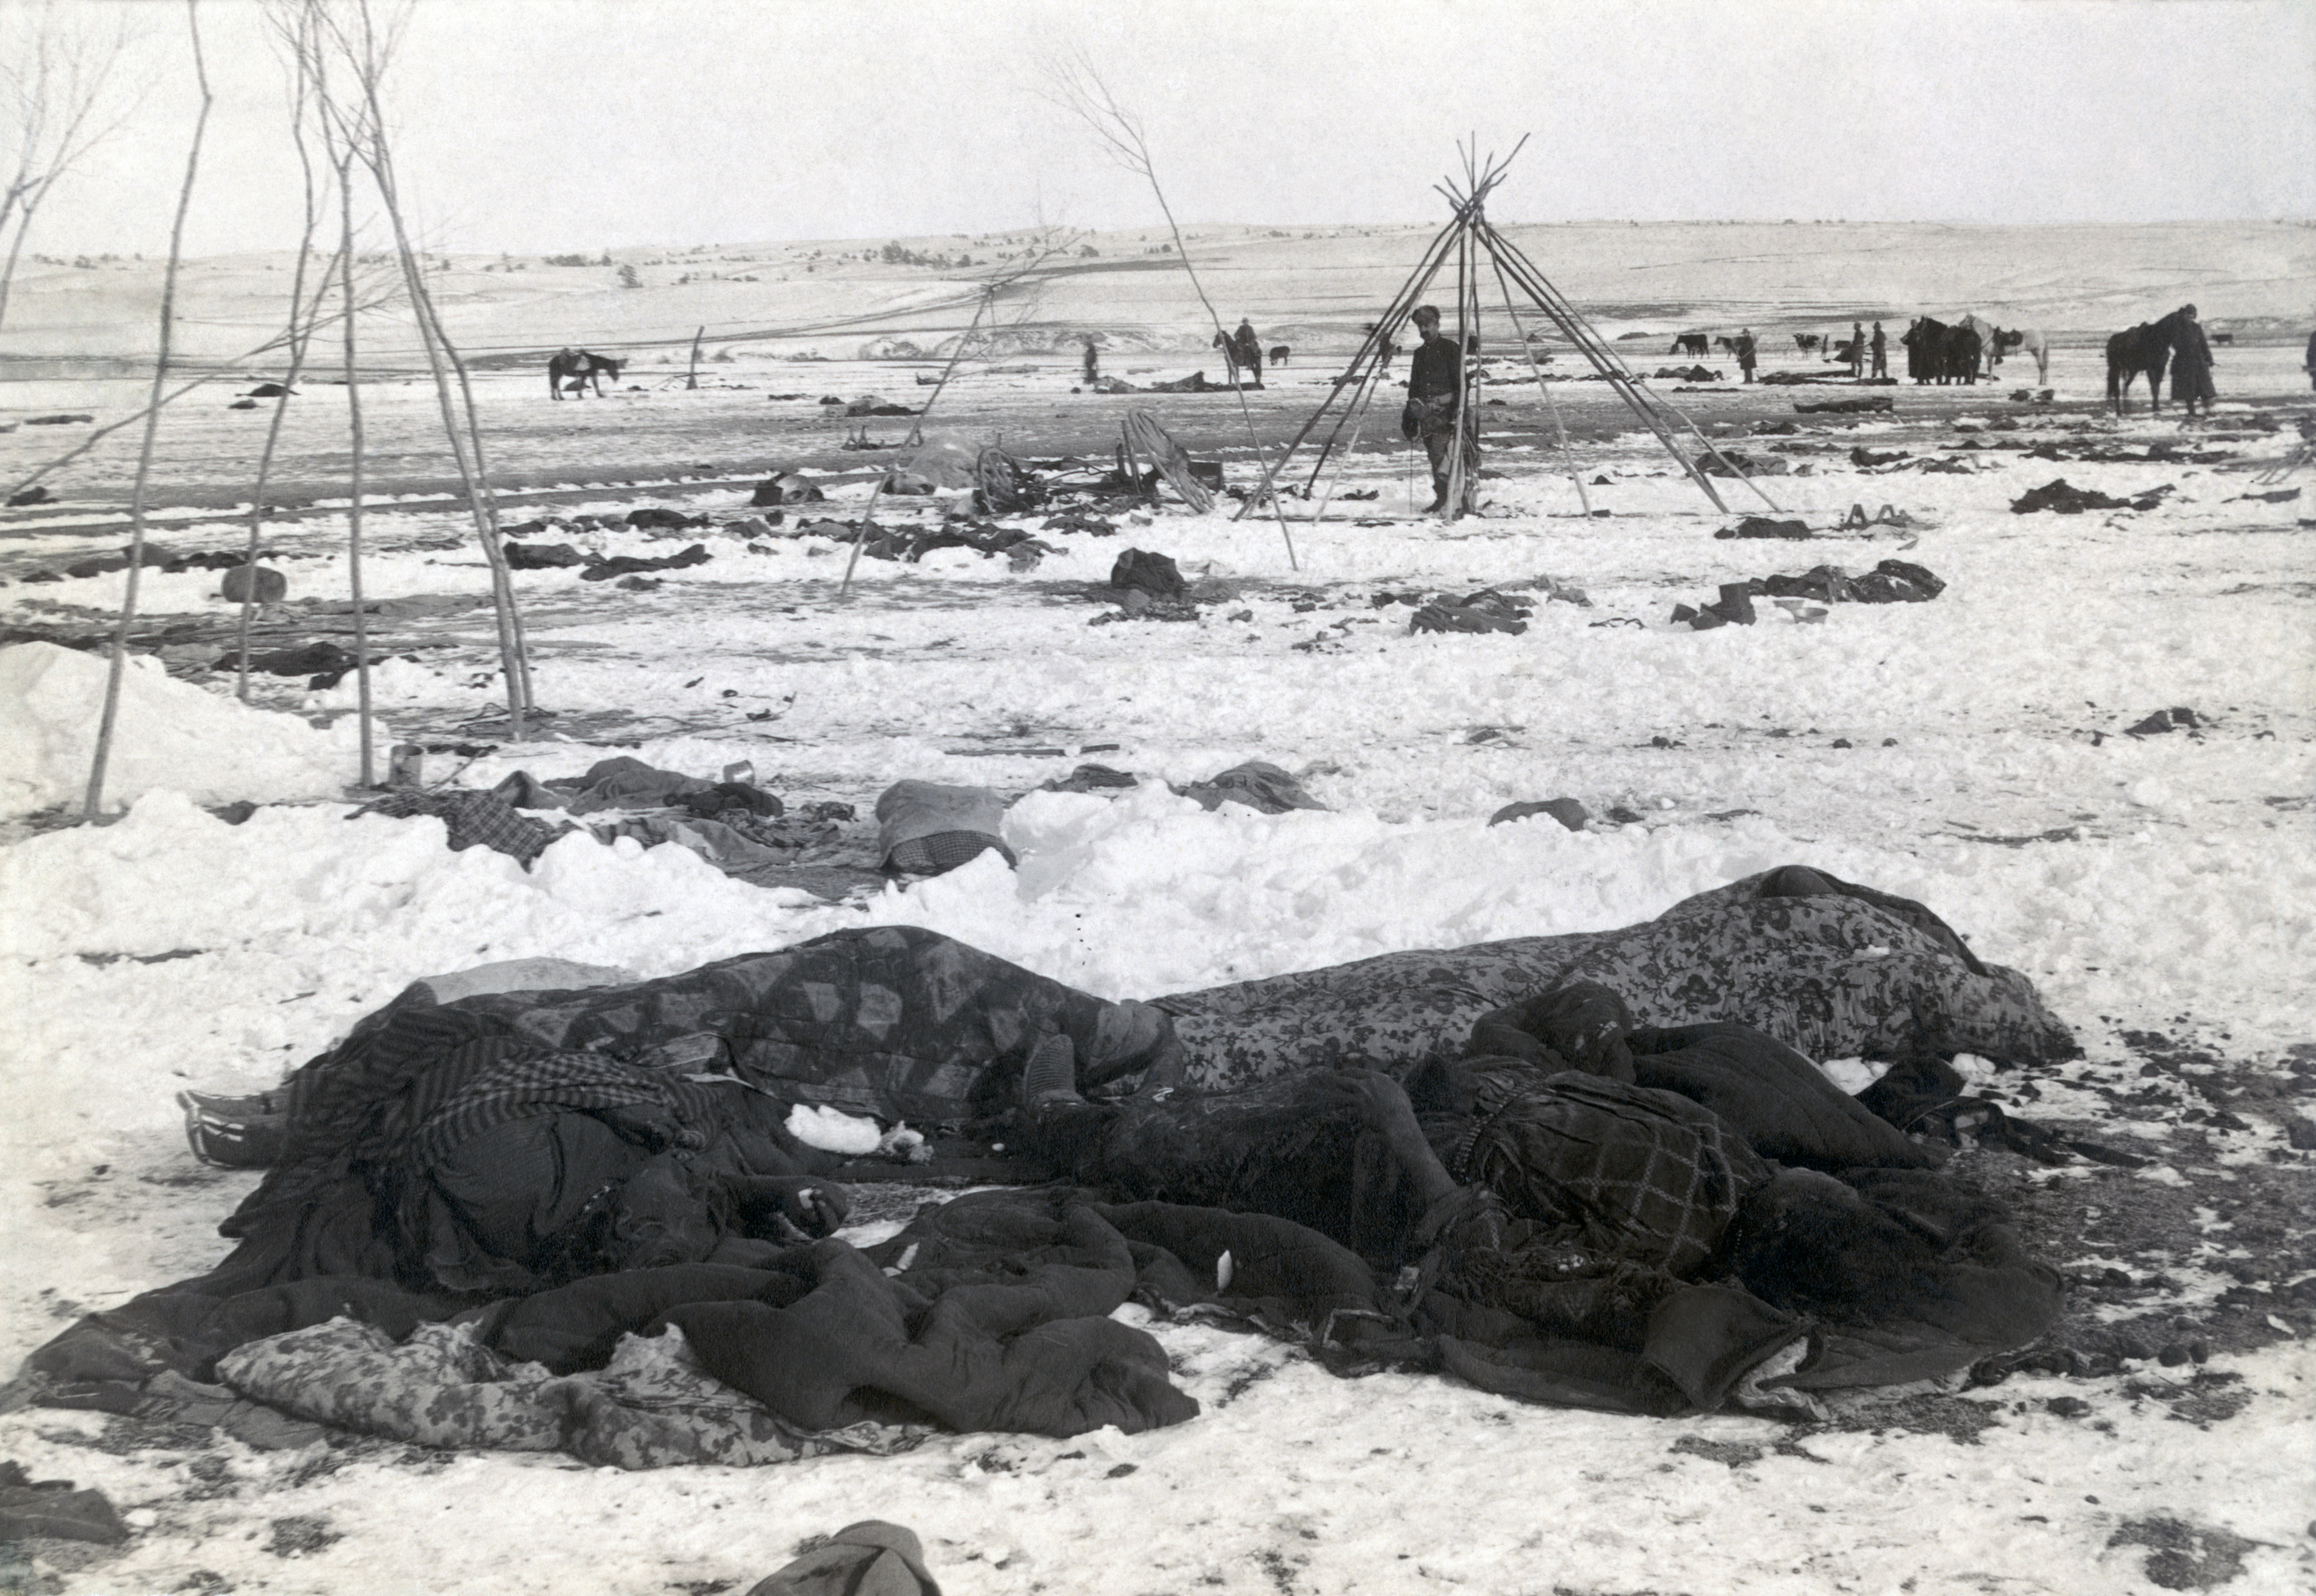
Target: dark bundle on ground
pixel 1486 611
pixel 542 556
pixel 311 659
pixel 1762 526
pixel 1154 574
pixel 912 544
pixel 1566 810
pixel 1892 581
pixel 628 565
pixel 1876 405
pixel 2058 496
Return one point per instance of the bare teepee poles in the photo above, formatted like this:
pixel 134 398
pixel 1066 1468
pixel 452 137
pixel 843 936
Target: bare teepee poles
pixel 1469 237
pixel 118 663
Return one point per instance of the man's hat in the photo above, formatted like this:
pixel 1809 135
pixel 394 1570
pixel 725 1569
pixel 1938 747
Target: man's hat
pixel 1426 313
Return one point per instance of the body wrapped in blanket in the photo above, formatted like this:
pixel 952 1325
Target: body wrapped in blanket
pixel 613 1159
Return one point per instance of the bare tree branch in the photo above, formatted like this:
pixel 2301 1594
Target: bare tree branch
pixel 61 96
pixel 1074 86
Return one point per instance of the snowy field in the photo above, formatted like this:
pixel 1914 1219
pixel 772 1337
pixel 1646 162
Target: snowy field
pixel 1972 752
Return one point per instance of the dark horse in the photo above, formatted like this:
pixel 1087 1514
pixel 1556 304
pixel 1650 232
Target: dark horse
pixel 1241 352
pixel 2144 349
pixel 578 369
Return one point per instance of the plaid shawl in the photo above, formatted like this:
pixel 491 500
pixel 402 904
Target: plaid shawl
pixel 473 817
pixel 1646 1176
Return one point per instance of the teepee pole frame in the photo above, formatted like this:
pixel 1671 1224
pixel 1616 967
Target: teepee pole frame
pixel 1469 236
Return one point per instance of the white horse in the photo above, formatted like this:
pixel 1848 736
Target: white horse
pixel 2032 340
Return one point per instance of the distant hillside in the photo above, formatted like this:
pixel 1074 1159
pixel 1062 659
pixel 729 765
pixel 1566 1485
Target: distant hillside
pixel 1308 286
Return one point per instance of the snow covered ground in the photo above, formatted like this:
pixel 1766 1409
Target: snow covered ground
pixel 1972 752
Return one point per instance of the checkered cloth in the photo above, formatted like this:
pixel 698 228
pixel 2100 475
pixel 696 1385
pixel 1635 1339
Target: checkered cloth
pixel 473 817
pixel 1647 1176
pixel 523 1085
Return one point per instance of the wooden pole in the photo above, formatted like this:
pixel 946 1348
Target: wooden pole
pixel 93 804
pixel 691 376
pixel 1551 405
pixel 355 452
pixel 301 333
pixel 988 297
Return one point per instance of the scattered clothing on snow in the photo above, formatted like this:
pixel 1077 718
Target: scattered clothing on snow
pixel 926 828
pixel 473 817
pixel 1486 611
pixel 1257 784
pixel 1571 813
pixel 627 564
pixel 2058 496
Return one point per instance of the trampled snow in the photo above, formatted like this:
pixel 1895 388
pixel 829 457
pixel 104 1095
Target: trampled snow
pixel 2155 882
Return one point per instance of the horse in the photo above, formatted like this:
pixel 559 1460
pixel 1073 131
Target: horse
pixel 2143 349
pixel 1279 353
pixel 1808 342
pixel 1239 355
pixel 578 369
pixel 2029 340
pixel 1725 345
pixel 1694 344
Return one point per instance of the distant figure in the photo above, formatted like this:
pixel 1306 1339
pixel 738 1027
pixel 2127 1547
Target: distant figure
pixel 1746 351
pixel 1093 363
pixel 2191 363
pixel 2309 365
pixel 1881 347
pixel 1435 395
pixel 1857 348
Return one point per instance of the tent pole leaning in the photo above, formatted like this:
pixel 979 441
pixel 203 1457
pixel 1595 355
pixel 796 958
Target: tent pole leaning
pixel 1542 387
pixel 299 318
pixel 1603 360
pixel 1644 403
pixel 988 297
pixel 93 804
pixel 1372 347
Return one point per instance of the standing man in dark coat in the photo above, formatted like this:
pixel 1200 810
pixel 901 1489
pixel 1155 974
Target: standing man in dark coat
pixel 1747 352
pixel 1857 349
pixel 1881 351
pixel 1435 393
pixel 1092 362
pixel 2191 363
pixel 2309 365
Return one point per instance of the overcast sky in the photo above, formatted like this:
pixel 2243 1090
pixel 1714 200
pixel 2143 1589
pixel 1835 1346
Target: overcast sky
pixel 551 125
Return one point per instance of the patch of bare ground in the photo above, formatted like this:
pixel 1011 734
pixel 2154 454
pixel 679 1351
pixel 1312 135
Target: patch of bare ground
pixel 2184 1556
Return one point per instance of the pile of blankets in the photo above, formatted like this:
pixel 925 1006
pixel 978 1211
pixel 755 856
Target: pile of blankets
pixel 574 1218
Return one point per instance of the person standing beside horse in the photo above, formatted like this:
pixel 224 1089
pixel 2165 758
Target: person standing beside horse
pixel 1748 351
pixel 1435 395
pixel 2191 362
